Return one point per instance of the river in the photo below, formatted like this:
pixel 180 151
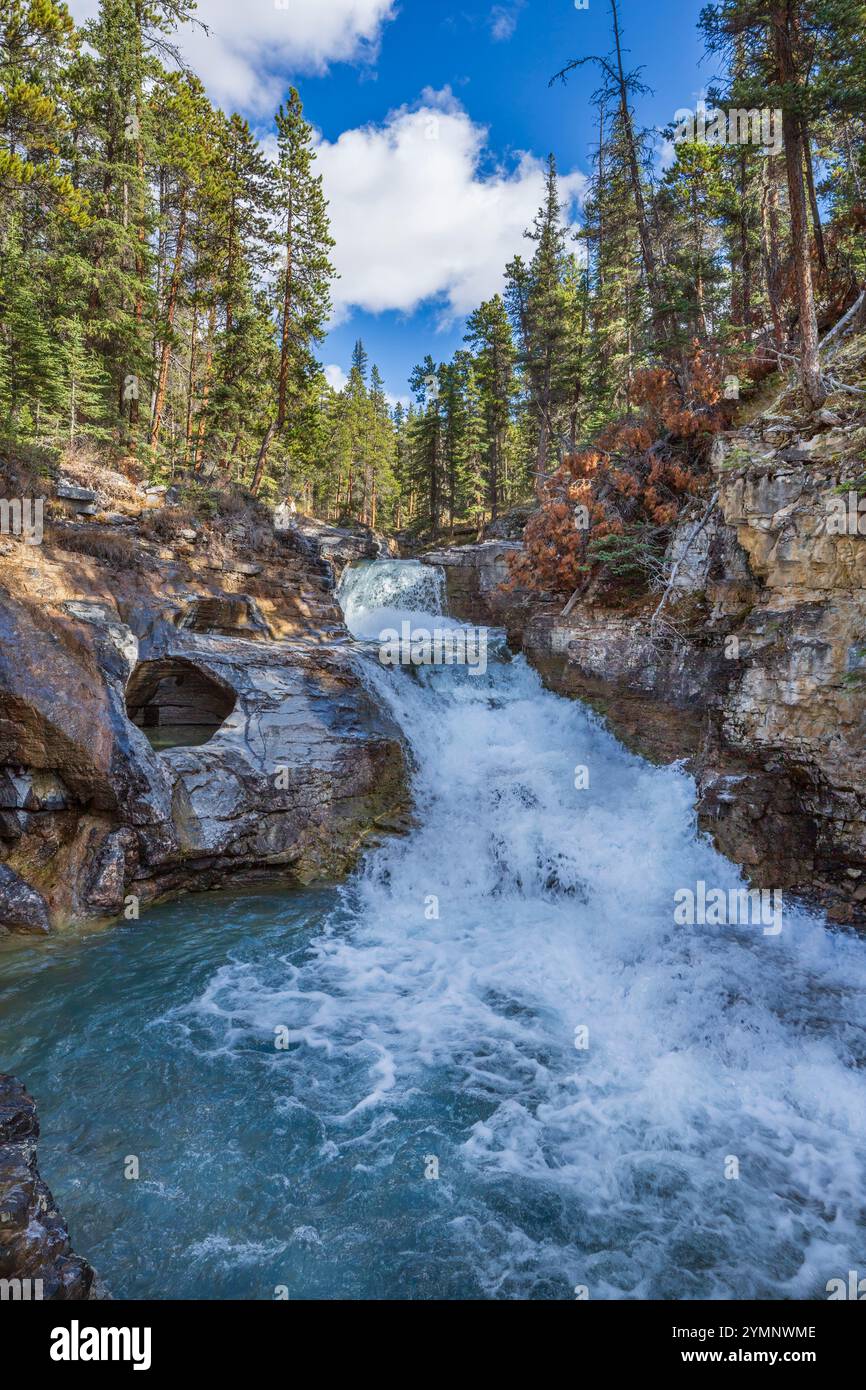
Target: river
pixel 490 1065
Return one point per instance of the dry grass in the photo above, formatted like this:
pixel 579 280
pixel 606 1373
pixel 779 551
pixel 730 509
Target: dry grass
pixel 165 523
pixel 100 543
pixel 114 490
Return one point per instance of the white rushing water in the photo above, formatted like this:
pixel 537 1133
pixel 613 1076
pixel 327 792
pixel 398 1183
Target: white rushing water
pixel 505 990
pixel 381 595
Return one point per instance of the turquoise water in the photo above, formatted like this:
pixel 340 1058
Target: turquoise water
pixel 378 1092
pixel 88 1022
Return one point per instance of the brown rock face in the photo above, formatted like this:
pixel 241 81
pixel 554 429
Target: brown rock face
pixel 158 734
pixel 474 576
pixel 36 1257
pixel 757 678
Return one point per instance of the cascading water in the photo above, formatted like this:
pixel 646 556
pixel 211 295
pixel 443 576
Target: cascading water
pixel 381 595
pixel 504 1070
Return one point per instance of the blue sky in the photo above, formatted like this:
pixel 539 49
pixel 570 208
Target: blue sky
pixel 502 84
pixel 434 118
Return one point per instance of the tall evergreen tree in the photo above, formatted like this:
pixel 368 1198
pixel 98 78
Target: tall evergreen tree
pixel 489 334
pixel 303 287
pixel 537 303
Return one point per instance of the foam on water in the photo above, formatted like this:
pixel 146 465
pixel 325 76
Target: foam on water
pixel 435 1015
pixel 416 1034
pixel 382 595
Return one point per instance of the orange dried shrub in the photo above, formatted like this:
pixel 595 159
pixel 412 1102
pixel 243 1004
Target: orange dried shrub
pixel 636 476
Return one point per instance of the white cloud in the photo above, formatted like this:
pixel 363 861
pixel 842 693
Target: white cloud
pixel 665 151
pixel 503 20
pixel 254 43
pixel 335 377
pixel 417 215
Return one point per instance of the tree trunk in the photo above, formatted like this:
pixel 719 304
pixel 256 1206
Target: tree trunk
pixel 283 384
pixel 262 458
pixel 648 255
pixel 208 371
pixel 813 203
pixel 770 243
pixel 142 239
pixel 171 308
pixel 541 456
pixel 190 385
pixel 745 254
pixel 813 386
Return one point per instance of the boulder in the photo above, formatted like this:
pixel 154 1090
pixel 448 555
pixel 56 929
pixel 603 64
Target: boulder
pixel 81 501
pixel 22 909
pixel 36 1254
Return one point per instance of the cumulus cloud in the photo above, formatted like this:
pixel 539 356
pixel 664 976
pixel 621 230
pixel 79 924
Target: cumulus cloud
pixel 418 214
pixel 503 20
pixel 335 377
pixel 253 43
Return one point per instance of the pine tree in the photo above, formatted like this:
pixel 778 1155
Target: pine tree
pixel 537 304
pixel 38 43
pixel 489 334
pixel 244 334
pixel 360 360
pixel 425 444
pixel 617 307
pixel 618 89
pixel 777 34
pixel 690 206
pixel 32 367
pixel 114 119
pixel 183 116
pixel 304 283
pixel 86 385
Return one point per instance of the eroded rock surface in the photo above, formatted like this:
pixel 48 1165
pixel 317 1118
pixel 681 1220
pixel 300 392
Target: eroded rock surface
pixel 36 1256
pixel 757 673
pixel 474 579
pixel 297 768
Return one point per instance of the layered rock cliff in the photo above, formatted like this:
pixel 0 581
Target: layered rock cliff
pixel 178 705
pixel 754 670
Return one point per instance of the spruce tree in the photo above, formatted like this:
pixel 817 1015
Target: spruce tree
pixel 303 288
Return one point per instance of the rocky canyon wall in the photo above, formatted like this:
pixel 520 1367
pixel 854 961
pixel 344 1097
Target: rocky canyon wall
pixel 754 672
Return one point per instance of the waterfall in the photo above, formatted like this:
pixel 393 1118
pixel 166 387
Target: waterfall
pixel 492 1064
pixel 611 1101
pixel 382 594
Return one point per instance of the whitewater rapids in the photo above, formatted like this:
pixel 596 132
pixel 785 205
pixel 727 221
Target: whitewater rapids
pixel 505 992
